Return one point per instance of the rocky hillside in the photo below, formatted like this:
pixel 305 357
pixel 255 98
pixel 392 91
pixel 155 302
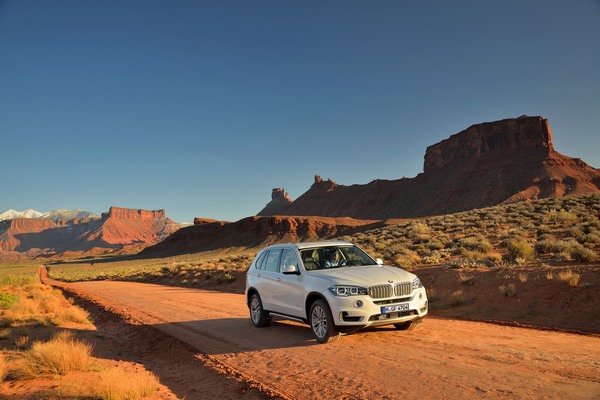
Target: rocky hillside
pixel 255 232
pixel 115 229
pixel 485 165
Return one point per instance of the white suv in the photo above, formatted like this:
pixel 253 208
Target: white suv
pixel 334 287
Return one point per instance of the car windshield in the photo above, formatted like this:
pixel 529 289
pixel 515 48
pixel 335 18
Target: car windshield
pixel 334 257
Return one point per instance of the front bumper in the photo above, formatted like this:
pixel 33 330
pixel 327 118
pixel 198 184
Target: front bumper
pixel 363 311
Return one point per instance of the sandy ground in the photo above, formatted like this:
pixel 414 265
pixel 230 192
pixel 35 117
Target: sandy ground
pixel 443 358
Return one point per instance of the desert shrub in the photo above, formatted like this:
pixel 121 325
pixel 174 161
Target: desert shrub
pixel 519 248
pixel 116 384
pixel 523 277
pixel 473 255
pixel 406 257
pixel 545 244
pixel 491 259
pixel 591 238
pixel 476 242
pixel 569 277
pixel 560 216
pixel 575 232
pixel 419 229
pixel 7 300
pixel 583 255
pixel 59 356
pixel 465 278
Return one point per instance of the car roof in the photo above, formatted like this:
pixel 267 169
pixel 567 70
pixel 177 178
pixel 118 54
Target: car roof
pixel 310 245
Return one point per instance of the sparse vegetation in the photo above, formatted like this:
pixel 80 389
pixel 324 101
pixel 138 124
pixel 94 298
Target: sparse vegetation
pixel 509 290
pixel 116 384
pixel 58 356
pixel 569 277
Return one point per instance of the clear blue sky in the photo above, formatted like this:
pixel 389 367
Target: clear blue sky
pixel 201 108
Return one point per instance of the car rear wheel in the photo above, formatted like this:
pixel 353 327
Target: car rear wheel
pixel 408 325
pixel 258 315
pixel 321 322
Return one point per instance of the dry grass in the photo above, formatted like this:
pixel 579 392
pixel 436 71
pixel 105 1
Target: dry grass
pixel 457 298
pixel 569 277
pixel 116 384
pixel 59 356
pixel 3 368
pixel 549 275
pixel 523 277
pixel 465 278
pixel 509 290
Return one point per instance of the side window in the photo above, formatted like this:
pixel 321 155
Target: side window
pixel 272 261
pixel 260 263
pixel 288 258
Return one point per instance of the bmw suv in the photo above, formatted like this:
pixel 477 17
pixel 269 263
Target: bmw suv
pixel 334 287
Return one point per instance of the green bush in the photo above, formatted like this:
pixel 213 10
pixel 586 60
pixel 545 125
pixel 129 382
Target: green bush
pixel 583 255
pixel 7 300
pixel 519 248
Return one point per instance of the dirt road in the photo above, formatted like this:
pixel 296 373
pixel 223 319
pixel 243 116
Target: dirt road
pixel 443 358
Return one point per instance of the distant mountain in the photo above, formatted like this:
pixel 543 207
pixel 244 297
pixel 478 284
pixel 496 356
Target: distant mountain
pixel 115 229
pixel 54 215
pixel 485 165
pixel 78 213
pixel 11 214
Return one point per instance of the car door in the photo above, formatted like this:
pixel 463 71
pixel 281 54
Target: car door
pixel 288 292
pixel 268 278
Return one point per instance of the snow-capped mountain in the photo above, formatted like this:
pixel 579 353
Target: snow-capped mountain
pixel 69 214
pixel 53 215
pixel 12 214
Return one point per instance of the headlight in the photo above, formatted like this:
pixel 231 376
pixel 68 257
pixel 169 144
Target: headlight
pixel 341 290
pixel 416 284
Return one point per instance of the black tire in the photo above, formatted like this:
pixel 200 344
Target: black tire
pixel 408 325
pixel 258 316
pixel 321 322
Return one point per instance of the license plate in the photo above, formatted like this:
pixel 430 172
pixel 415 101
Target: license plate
pixel 394 308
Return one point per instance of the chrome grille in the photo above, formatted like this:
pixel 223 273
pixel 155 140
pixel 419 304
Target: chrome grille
pixel 386 291
pixel 380 291
pixel 402 289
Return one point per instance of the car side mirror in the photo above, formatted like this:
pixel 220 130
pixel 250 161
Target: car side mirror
pixel 379 261
pixel 290 270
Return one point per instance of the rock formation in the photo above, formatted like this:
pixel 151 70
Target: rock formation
pixel 117 228
pixel 485 165
pixel 280 200
pixel 254 232
pixel 518 134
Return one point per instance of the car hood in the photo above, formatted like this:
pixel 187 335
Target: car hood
pixel 366 276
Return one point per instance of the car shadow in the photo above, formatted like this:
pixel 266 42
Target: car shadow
pixel 238 335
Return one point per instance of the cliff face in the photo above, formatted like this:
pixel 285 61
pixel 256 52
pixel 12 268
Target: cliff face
pixel 117 228
pixel 280 200
pixel 133 213
pixel 509 135
pixel 485 165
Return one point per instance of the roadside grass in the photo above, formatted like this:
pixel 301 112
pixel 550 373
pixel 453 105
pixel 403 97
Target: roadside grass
pixel 34 344
pixel 58 356
pixel 197 271
pixel 116 384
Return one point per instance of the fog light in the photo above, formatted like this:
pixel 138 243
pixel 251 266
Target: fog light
pixel 359 303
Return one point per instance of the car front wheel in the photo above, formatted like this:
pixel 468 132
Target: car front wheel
pixel 259 317
pixel 321 322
